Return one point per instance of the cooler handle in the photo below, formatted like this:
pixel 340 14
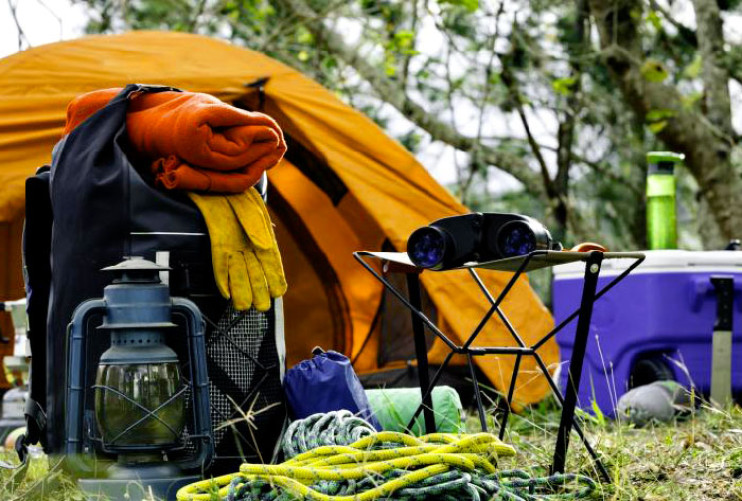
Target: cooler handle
pixel 701 290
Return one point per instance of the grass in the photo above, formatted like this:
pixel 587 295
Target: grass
pixel 698 458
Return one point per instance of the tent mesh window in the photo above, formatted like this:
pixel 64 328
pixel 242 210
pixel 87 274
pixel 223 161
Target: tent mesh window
pixel 247 409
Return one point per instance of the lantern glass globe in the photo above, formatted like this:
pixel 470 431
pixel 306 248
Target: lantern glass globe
pixel 126 392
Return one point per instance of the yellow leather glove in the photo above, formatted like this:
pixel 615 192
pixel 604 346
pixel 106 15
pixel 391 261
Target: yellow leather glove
pixel 244 253
pixel 256 223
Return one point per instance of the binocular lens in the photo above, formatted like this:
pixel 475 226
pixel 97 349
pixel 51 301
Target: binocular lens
pixel 516 239
pixel 426 247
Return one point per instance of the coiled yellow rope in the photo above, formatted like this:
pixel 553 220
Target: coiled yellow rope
pixel 377 456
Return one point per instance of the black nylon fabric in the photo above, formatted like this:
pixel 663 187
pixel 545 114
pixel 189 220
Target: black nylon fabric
pixel 37 229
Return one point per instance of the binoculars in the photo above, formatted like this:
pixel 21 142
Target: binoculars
pixel 453 241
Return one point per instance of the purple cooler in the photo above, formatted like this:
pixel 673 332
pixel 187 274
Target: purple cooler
pixel 656 324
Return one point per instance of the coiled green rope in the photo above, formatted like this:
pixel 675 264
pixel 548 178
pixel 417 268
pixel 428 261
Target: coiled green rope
pixel 332 428
pixel 392 466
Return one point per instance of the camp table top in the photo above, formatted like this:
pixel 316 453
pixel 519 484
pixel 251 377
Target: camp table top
pixel 543 259
pixel 516 265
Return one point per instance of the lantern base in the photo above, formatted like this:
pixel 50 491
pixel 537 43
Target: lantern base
pixel 138 489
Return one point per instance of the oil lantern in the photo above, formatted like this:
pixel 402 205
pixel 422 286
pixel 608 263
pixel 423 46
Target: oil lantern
pixel 138 413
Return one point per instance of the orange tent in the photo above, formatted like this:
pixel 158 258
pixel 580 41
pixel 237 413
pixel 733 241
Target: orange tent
pixel 344 186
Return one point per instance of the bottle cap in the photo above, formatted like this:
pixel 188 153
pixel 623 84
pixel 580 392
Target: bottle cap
pixel 663 162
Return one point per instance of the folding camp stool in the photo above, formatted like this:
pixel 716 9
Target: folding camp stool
pixel 400 262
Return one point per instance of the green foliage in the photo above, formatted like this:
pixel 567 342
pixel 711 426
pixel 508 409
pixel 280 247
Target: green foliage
pixel 411 140
pixel 693 70
pixel 470 5
pixel 653 19
pixel 657 119
pixel 564 86
pixel 480 62
pixel 654 71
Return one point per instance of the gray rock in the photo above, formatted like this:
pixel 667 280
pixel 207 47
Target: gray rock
pixel 658 401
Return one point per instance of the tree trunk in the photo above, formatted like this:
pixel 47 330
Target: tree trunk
pixel 706 146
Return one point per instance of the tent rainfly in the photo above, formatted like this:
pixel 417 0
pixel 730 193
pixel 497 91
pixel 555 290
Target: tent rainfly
pixel 344 186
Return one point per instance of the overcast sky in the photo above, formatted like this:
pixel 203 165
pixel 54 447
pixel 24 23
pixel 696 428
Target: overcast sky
pixel 42 22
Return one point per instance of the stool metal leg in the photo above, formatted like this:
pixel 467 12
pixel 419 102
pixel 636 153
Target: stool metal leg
pixel 477 392
pixel 421 352
pixel 592 271
pixel 509 402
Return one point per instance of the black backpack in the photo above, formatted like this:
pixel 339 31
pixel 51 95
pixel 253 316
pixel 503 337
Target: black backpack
pixel 99 208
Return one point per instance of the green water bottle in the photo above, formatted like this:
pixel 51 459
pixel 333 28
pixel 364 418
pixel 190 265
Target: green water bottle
pixel 662 231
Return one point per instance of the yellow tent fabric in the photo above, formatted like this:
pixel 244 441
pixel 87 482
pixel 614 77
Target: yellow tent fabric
pixel 348 186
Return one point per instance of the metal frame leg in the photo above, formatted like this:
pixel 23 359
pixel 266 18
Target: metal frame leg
pixel 421 352
pixel 477 392
pixel 592 271
pixel 509 402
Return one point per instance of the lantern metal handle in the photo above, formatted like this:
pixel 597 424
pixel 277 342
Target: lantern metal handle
pixel 77 367
pixel 199 381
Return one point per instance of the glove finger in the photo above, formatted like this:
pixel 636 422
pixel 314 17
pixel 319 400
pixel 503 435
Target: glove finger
pixel 213 208
pixel 253 217
pixel 260 294
pixel 220 264
pixel 270 260
pixel 239 282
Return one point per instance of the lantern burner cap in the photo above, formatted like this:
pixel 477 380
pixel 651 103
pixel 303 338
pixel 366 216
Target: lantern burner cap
pixel 136 263
pixel 136 269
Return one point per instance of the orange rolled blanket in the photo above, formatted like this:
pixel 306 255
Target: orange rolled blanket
pixel 193 140
pixel 171 173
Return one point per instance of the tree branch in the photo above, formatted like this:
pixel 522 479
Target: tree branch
pixel 510 82
pixel 714 75
pixel 21 34
pixel 688 34
pixel 416 113
pixel 733 62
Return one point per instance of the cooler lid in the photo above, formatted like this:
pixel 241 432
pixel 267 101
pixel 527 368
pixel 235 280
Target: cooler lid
pixel 664 261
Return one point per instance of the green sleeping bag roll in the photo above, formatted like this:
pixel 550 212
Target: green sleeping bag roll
pixel 394 407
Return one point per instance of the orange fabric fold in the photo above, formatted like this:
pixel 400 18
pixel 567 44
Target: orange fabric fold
pixel 171 173
pixel 85 105
pixel 193 140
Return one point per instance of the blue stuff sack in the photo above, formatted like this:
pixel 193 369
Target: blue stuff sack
pixel 326 382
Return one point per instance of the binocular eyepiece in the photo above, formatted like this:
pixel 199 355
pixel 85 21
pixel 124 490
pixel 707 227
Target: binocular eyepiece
pixel 477 237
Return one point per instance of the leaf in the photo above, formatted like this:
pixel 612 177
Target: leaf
pixel 304 36
pixel 656 127
pixel 654 71
pixel 658 115
pixel 694 68
pixel 404 39
pixel 564 85
pixel 303 56
pixel 329 62
pixel 599 416
pixel 470 5
pixel 654 20
pixel 691 99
